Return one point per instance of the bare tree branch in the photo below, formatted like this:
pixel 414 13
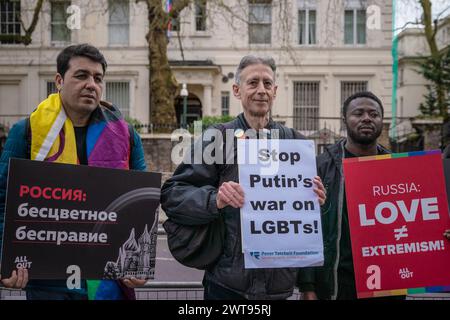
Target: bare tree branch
pixel 417 23
pixel 442 12
pixel 180 44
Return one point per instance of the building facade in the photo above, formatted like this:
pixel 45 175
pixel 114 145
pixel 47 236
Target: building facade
pixel 117 28
pixel 412 46
pixel 325 51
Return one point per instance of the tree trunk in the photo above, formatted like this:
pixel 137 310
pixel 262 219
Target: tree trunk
pixel 163 85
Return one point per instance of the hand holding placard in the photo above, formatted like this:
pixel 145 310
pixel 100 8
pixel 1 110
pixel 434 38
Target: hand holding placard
pixel 230 194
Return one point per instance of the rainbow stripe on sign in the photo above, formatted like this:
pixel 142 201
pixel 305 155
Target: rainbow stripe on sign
pixel 392 156
pixel 403 292
pixel 398 292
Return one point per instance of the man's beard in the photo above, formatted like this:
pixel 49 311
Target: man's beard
pixel 366 139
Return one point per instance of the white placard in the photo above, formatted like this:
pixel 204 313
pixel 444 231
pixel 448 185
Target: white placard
pixel 280 220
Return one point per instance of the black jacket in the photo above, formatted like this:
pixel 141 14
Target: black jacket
pixel 189 197
pixel 323 280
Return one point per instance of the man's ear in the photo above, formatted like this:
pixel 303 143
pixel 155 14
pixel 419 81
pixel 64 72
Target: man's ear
pixel 236 91
pixel 59 81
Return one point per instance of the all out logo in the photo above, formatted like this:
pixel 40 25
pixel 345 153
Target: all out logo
pixel 22 262
pixel 405 273
pixel 374 277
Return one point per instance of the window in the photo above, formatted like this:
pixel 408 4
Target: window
pixel 306 105
pixel 347 89
pixel 174 24
pixel 260 21
pixel 200 15
pixel 59 15
pixel 118 93
pixel 225 103
pixel 306 26
pixel 350 87
pixel 355 26
pixel 9 20
pixel 51 88
pixel 119 22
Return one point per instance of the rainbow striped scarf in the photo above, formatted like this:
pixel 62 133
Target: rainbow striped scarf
pixel 53 140
pixel 53 136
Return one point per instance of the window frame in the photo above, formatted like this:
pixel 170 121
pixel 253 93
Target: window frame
pixel 202 4
pixel 310 125
pixel 178 24
pixel 354 11
pixel 120 107
pixel 348 81
pixel 259 24
pixel 225 97
pixel 62 24
pixel 342 99
pixel 307 25
pixel 120 24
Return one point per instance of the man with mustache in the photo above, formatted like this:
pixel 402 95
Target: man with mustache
pixel 363 117
pixel 73 126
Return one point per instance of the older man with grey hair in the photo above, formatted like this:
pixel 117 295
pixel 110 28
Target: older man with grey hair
pixel 200 193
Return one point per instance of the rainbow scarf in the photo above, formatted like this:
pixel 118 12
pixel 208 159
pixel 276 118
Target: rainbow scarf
pixel 53 136
pixel 53 140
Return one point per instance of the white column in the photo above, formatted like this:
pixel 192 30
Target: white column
pixel 207 100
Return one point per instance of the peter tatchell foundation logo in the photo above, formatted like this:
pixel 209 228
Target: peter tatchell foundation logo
pixel 255 254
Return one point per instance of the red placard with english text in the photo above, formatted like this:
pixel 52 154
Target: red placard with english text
pixel 398 212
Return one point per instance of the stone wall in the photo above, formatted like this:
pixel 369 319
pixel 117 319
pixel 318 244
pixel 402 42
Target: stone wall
pixel 157 150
